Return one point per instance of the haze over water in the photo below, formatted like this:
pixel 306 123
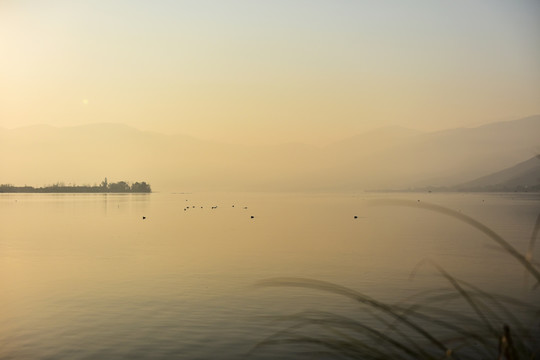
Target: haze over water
pixel 259 126
pixel 85 276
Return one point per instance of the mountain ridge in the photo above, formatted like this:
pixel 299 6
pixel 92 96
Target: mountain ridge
pixel 523 175
pixel 397 158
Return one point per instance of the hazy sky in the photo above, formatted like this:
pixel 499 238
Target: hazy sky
pixel 269 71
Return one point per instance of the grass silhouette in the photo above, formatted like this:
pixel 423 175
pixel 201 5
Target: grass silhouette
pixel 422 326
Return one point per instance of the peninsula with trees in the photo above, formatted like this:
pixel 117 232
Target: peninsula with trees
pixel 104 187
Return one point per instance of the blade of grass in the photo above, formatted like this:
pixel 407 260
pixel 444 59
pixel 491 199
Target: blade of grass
pixel 337 346
pixel 532 241
pixel 333 321
pixel 468 220
pixel 361 298
pixel 475 305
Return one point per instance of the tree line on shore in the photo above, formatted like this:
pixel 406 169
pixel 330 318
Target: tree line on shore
pixel 104 187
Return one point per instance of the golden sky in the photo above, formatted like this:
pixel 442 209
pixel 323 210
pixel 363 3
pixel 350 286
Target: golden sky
pixel 248 71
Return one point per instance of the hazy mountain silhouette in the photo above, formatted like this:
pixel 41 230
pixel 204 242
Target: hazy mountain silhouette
pixel 439 158
pixel 384 158
pixel 525 175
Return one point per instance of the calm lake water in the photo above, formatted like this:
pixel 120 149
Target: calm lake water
pixel 84 276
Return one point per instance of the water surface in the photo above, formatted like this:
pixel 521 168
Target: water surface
pixel 85 276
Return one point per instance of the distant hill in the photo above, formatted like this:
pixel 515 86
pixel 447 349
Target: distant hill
pixel 523 176
pixel 441 158
pixel 380 159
